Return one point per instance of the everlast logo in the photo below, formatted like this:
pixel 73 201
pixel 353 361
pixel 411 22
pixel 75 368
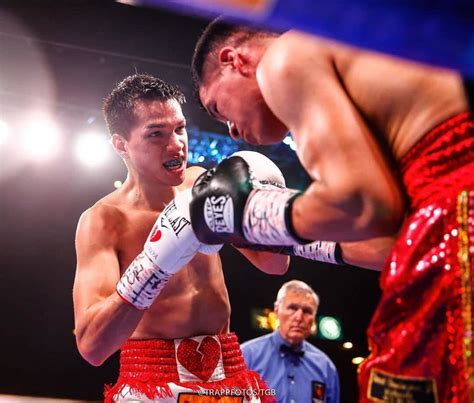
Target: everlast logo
pixel 178 222
pixel 219 214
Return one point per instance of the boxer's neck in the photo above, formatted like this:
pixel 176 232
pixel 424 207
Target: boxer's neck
pixel 147 194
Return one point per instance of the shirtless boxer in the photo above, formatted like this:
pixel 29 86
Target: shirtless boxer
pixel 131 291
pixel 383 139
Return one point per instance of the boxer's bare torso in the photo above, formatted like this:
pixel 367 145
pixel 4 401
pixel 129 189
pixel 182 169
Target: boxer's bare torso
pixel 399 100
pixel 352 113
pixel 431 96
pixel 195 300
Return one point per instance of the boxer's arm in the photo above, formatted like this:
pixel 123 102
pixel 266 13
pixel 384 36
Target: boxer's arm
pixel 370 254
pixel 268 262
pixel 355 195
pixel 103 322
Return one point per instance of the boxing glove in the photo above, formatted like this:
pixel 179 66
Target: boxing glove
pixel 170 245
pixel 268 174
pixel 231 205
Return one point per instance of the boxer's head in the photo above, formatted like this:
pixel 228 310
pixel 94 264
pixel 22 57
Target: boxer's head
pixel 224 69
pixel 295 308
pixel 148 128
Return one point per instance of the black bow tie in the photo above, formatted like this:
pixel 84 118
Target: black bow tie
pixel 291 350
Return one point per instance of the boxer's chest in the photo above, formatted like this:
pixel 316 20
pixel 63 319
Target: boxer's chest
pixel 134 232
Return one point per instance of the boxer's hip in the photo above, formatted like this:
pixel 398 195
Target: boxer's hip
pixel 159 370
pixel 421 333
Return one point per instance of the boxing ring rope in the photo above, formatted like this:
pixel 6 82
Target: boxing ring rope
pixel 439 32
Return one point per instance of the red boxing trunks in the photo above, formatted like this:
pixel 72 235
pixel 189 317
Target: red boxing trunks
pixel 421 334
pixel 197 369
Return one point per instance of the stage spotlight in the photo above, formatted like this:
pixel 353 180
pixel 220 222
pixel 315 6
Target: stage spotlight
pixel 330 328
pixel 40 138
pixel 357 360
pixel 4 132
pixel 92 149
pixel 347 345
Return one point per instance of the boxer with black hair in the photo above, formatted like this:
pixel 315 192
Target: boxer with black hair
pixel 389 144
pixel 144 283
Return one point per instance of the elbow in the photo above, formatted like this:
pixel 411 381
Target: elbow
pixel 94 361
pixel 276 265
pixel 383 218
pixel 89 353
pixel 279 270
pixel 388 224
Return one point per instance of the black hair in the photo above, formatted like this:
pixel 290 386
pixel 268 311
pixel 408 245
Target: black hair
pixel 119 106
pixel 212 38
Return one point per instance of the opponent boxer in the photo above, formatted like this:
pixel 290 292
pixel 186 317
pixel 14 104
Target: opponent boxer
pixel 151 294
pixel 371 130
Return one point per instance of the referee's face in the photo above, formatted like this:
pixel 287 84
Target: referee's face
pixel 296 314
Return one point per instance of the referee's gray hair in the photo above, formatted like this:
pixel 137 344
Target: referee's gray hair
pixel 297 286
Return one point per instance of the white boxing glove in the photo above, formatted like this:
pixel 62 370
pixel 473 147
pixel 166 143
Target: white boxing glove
pixel 266 178
pixel 264 170
pixel 209 249
pixel 169 247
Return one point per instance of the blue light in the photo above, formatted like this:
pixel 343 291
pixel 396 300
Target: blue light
pixel 208 149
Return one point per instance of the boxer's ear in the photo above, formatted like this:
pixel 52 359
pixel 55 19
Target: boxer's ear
pixel 233 58
pixel 120 145
pixel 227 56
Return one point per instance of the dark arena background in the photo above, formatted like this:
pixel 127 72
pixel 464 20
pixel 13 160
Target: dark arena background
pixel 58 60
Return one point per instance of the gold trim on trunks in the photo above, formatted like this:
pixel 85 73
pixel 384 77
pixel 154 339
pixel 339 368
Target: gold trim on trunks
pixel 463 214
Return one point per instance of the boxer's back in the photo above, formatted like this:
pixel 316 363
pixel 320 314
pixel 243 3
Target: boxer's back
pixel 399 99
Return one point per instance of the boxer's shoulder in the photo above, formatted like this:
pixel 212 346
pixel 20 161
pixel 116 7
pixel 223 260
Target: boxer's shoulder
pixel 301 69
pixel 294 47
pixel 102 220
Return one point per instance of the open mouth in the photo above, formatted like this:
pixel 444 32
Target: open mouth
pixel 174 164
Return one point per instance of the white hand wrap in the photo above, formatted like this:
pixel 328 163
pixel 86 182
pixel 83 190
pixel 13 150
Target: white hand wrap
pixel 321 251
pixel 264 219
pixel 142 282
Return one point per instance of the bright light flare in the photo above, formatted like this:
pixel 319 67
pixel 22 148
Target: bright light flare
pixel 4 132
pixel 40 138
pixel 288 140
pixel 92 149
pixel 357 360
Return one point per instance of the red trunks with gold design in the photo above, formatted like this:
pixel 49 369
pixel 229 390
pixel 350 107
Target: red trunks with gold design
pixel 421 334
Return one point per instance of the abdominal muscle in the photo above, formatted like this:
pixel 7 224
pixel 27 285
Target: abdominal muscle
pixel 194 302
